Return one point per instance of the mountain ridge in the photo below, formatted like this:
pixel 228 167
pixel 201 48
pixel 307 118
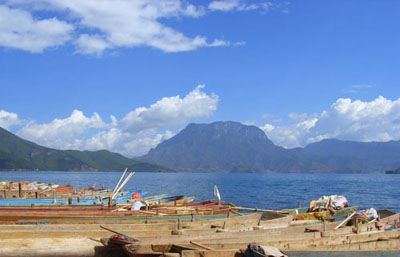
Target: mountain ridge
pixel 231 147
pixel 20 154
pixel 223 146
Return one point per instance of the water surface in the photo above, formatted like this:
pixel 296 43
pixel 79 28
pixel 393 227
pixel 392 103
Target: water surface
pixel 270 191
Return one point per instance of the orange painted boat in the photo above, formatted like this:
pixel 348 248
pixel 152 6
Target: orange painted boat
pixel 64 188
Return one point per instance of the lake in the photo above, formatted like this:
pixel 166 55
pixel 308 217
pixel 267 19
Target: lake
pixel 269 191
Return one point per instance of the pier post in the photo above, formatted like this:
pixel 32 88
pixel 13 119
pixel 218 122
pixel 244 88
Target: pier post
pixel 179 224
pixel 19 190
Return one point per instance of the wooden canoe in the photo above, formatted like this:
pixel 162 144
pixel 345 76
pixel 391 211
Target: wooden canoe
pixel 326 215
pixel 333 243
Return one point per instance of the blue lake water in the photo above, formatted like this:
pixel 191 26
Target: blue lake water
pixel 269 191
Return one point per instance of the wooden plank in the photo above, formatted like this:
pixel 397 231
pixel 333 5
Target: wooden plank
pixel 201 245
pixel 346 220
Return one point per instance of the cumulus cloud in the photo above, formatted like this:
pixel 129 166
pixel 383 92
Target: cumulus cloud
pixel 238 5
pixel 100 25
pixel 140 130
pixel 129 144
pixel 18 29
pixel 61 133
pixel 8 119
pixel 171 111
pixel 376 120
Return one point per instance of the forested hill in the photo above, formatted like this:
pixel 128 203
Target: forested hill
pixel 19 154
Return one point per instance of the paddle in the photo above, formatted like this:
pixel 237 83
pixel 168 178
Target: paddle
pixel 127 237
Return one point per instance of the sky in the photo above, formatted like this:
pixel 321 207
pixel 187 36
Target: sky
pixel 125 75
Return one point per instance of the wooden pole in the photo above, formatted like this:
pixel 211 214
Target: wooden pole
pixel 120 179
pixel 20 190
pixel 123 184
pixel 344 221
pixel 262 210
pixel 118 233
pixel 201 245
pixel 238 213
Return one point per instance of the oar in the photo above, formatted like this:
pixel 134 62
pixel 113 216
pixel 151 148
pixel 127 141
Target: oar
pixel 201 245
pixel 116 232
pixel 262 210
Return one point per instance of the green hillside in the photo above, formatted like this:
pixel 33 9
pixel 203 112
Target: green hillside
pixel 19 154
pixel 393 171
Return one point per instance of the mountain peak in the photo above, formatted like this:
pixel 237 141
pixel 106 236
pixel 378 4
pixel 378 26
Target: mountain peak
pixel 222 146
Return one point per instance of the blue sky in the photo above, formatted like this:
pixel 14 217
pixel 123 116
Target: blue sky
pixel 302 71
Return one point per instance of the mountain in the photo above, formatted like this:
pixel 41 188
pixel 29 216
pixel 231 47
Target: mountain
pixel 397 171
pixel 216 147
pixel 19 154
pixel 232 147
pixel 223 146
pixel 350 156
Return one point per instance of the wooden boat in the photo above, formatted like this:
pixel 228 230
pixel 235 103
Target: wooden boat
pixel 339 242
pixel 179 202
pixel 88 212
pixel 324 215
pixel 105 216
pixel 164 228
pixel 285 237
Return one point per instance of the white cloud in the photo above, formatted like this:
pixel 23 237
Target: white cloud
pixel 91 44
pixel 267 116
pixel 8 119
pixel 18 29
pixel 377 120
pixel 129 144
pixel 268 127
pixel 361 86
pixel 238 5
pixel 224 5
pixel 357 88
pixel 140 130
pixel 106 24
pixel 61 133
pixel 298 116
pixel 171 111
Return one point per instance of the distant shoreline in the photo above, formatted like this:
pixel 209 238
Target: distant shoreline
pixel 200 172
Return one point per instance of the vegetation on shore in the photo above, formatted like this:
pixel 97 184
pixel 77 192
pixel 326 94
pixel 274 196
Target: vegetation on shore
pixel 393 171
pixel 19 154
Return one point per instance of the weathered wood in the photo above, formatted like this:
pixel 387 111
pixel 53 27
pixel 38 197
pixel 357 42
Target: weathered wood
pixel 200 245
pixel 238 213
pixel 260 210
pixel 325 214
pixel 345 220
